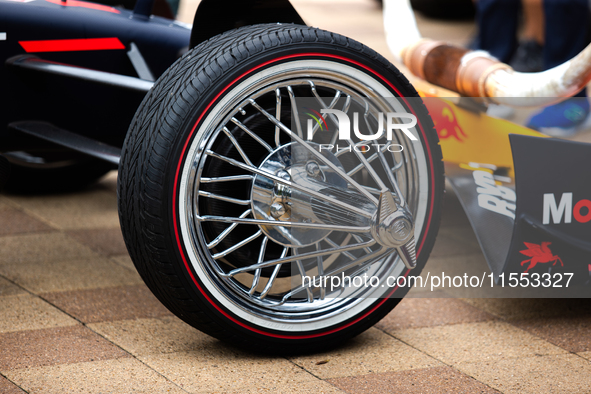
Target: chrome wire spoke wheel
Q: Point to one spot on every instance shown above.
(241, 201)
(258, 236)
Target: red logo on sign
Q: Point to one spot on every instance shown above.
(445, 121)
(539, 254)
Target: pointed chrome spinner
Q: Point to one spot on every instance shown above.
(393, 227)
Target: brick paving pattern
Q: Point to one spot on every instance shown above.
(75, 316)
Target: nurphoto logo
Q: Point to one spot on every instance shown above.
(393, 120)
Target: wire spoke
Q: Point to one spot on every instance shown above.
(373, 190)
(369, 168)
(320, 263)
(359, 239)
(224, 198)
(273, 276)
(295, 115)
(278, 116)
(257, 273)
(345, 242)
(372, 256)
(237, 146)
(359, 155)
(237, 246)
(278, 223)
(226, 178)
(293, 185)
(307, 255)
(397, 166)
(302, 272)
(363, 161)
(392, 180)
(331, 106)
(317, 154)
(361, 166)
(252, 134)
(345, 109)
(227, 231)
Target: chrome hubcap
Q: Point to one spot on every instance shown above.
(276, 201)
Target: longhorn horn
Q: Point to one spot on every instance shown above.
(477, 73)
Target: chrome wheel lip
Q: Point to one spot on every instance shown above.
(324, 311)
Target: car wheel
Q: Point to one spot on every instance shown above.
(225, 210)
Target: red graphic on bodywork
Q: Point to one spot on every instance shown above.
(445, 120)
(77, 44)
(84, 4)
(539, 254)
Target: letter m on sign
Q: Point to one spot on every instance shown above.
(564, 208)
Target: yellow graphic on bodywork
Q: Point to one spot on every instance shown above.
(466, 136)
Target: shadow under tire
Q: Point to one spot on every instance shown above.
(55, 177)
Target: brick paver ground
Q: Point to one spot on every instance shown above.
(76, 317)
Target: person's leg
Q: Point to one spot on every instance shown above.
(529, 55)
(533, 21)
(497, 27)
(567, 23)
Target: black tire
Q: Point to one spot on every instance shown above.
(68, 172)
(157, 160)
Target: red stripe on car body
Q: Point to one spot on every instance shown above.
(70, 45)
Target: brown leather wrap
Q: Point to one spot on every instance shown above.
(414, 56)
(472, 74)
(441, 65)
(451, 67)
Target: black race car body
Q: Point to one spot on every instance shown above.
(40, 34)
